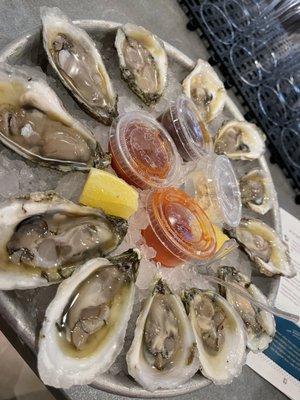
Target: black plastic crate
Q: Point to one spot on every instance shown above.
(275, 109)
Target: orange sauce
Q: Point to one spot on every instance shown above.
(179, 229)
(163, 255)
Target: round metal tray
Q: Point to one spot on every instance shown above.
(28, 50)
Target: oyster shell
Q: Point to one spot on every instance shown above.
(79, 65)
(240, 140)
(44, 237)
(219, 333)
(263, 246)
(206, 89)
(256, 191)
(143, 62)
(85, 324)
(259, 324)
(162, 354)
(34, 123)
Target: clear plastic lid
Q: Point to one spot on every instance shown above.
(216, 188)
(180, 224)
(227, 190)
(143, 152)
(190, 128)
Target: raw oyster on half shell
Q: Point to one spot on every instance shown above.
(143, 62)
(219, 333)
(259, 324)
(206, 90)
(240, 140)
(162, 354)
(256, 191)
(79, 65)
(44, 238)
(85, 324)
(34, 124)
(263, 246)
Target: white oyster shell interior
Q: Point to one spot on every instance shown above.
(60, 364)
(220, 337)
(143, 61)
(240, 140)
(78, 63)
(257, 191)
(206, 89)
(162, 328)
(264, 247)
(35, 124)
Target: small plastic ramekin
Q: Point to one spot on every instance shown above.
(143, 153)
(184, 123)
(179, 230)
(214, 185)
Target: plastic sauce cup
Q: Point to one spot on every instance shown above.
(215, 187)
(178, 229)
(143, 153)
(184, 123)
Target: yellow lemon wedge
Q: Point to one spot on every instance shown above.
(110, 193)
(220, 236)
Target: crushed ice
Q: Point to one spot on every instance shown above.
(19, 177)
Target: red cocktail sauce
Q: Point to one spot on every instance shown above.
(143, 154)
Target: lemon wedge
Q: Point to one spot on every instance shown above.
(105, 190)
(220, 236)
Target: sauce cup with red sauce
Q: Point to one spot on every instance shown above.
(143, 153)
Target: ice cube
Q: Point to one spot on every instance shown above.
(102, 135)
(70, 185)
(9, 183)
(126, 104)
(146, 274)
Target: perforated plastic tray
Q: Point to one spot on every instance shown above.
(275, 109)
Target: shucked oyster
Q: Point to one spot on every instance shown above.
(240, 140)
(259, 324)
(256, 191)
(44, 237)
(206, 89)
(263, 246)
(162, 354)
(219, 333)
(79, 65)
(34, 123)
(85, 324)
(143, 62)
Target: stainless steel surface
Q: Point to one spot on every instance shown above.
(167, 20)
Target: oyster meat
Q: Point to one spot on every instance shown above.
(263, 246)
(143, 62)
(206, 90)
(259, 324)
(256, 191)
(219, 333)
(85, 324)
(162, 354)
(34, 124)
(240, 140)
(44, 237)
(79, 65)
